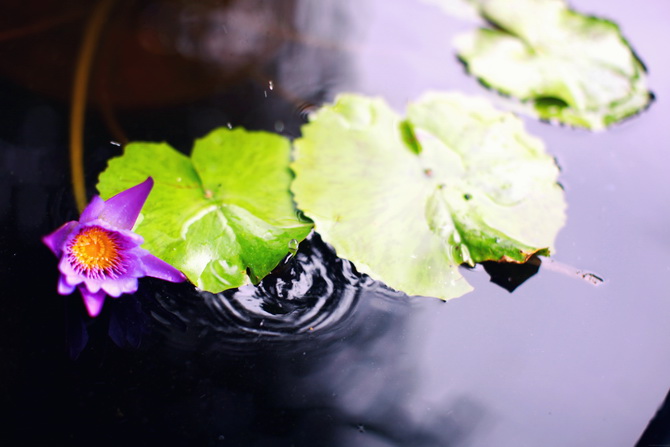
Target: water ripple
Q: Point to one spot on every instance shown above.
(311, 293)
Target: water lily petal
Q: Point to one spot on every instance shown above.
(93, 285)
(128, 285)
(160, 269)
(122, 209)
(115, 288)
(131, 239)
(92, 210)
(69, 274)
(56, 240)
(93, 301)
(64, 288)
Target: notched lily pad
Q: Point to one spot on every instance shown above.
(408, 200)
(223, 216)
(567, 67)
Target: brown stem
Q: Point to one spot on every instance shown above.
(90, 40)
(559, 267)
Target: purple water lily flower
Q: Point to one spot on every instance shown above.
(100, 255)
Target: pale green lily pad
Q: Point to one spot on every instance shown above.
(224, 216)
(407, 201)
(568, 67)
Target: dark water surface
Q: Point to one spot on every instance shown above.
(318, 355)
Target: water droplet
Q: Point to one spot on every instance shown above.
(229, 125)
(265, 93)
(293, 246)
(279, 126)
(467, 196)
(271, 85)
(115, 143)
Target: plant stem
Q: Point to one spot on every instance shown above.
(90, 39)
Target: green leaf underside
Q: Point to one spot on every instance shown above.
(470, 185)
(224, 216)
(565, 66)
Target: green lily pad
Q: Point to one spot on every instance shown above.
(408, 200)
(224, 216)
(568, 67)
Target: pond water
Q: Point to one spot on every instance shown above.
(319, 355)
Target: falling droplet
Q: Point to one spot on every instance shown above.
(271, 85)
(229, 125)
(293, 246)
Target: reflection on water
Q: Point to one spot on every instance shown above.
(316, 355)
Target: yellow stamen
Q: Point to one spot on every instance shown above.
(96, 251)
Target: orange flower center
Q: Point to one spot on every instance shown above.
(96, 251)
